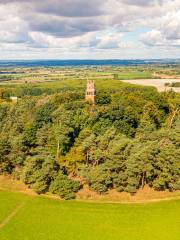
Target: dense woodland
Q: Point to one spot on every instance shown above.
(56, 142)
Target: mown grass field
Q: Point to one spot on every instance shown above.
(50, 219)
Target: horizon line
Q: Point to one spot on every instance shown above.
(94, 59)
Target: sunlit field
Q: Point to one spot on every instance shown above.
(28, 217)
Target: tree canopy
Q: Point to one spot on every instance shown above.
(129, 139)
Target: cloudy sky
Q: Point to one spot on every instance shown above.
(89, 29)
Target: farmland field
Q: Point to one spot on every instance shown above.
(160, 84)
(50, 219)
(45, 79)
(135, 75)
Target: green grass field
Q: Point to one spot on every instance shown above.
(49, 219)
(135, 75)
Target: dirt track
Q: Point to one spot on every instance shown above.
(11, 215)
(158, 83)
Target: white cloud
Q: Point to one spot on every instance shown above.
(167, 33)
(171, 26)
(94, 40)
(81, 27)
(153, 37)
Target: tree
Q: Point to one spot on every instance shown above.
(2, 92)
(140, 165)
(64, 187)
(167, 167)
(43, 115)
(97, 177)
(39, 171)
(6, 165)
(174, 111)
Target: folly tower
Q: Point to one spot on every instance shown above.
(91, 92)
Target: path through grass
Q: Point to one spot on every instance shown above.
(49, 219)
(11, 215)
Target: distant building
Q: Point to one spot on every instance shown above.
(91, 92)
(14, 99)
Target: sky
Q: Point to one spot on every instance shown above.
(89, 29)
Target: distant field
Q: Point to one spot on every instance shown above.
(44, 75)
(160, 84)
(135, 75)
(48, 219)
(45, 80)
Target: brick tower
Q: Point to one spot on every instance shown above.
(91, 92)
